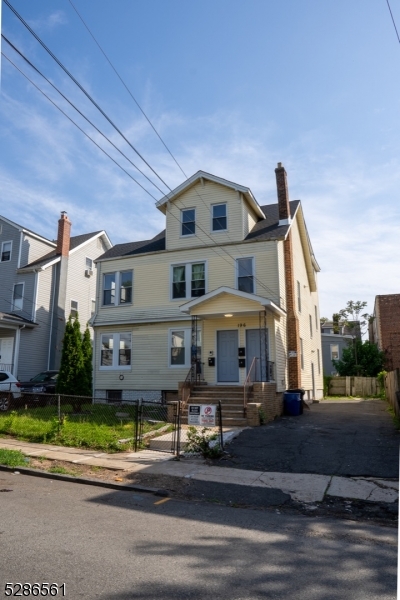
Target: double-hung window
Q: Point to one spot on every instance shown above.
(117, 288)
(5, 251)
(298, 296)
(188, 280)
(115, 351)
(179, 347)
(245, 275)
(188, 221)
(311, 328)
(74, 309)
(334, 351)
(18, 296)
(302, 353)
(219, 217)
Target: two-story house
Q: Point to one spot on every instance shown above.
(229, 284)
(41, 283)
(334, 339)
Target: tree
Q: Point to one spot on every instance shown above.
(353, 324)
(87, 362)
(72, 379)
(360, 358)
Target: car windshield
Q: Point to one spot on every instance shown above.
(44, 377)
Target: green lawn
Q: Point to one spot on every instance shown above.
(97, 427)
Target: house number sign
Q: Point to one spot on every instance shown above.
(241, 324)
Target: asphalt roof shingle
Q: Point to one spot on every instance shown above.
(75, 241)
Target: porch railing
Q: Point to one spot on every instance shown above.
(6, 367)
(195, 375)
(248, 382)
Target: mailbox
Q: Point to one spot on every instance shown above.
(242, 363)
(242, 352)
(211, 361)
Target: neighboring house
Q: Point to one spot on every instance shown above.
(41, 283)
(384, 330)
(227, 281)
(333, 345)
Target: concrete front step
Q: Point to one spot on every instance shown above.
(215, 400)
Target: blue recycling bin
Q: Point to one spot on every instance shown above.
(292, 404)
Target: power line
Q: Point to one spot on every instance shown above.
(126, 87)
(75, 107)
(394, 23)
(60, 64)
(76, 125)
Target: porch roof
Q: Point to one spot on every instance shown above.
(243, 302)
(15, 320)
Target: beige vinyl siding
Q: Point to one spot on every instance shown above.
(308, 302)
(226, 303)
(249, 218)
(152, 279)
(79, 287)
(202, 197)
(34, 344)
(32, 249)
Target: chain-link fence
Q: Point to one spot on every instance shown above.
(111, 426)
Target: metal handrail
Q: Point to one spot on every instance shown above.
(247, 383)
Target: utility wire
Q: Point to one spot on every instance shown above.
(86, 93)
(394, 23)
(77, 109)
(126, 87)
(76, 125)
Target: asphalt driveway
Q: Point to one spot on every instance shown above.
(353, 438)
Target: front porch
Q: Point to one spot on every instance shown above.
(10, 334)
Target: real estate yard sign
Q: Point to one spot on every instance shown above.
(202, 414)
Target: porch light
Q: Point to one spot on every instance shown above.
(228, 315)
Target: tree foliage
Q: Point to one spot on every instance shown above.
(360, 358)
(75, 376)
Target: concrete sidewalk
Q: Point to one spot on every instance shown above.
(303, 487)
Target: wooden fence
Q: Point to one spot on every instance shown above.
(354, 386)
(392, 390)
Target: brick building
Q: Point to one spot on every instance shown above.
(384, 331)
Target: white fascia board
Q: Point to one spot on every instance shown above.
(39, 237)
(33, 269)
(100, 234)
(203, 175)
(268, 304)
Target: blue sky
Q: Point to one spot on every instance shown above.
(233, 87)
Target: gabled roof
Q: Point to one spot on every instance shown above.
(161, 204)
(156, 244)
(28, 231)
(75, 242)
(268, 304)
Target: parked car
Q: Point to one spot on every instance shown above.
(9, 390)
(43, 383)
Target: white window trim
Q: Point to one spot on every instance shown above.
(316, 318)
(2, 246)
(117, 301)
(212, 218)
(14, 308)
(311, 326)
(187, 266)
(92, 312)
(298, 296)
(338, 351)
(91, 259)
(302, 362)
(188, 341)
(189, 235)
(319, 361)
(70, 306)
(253, 258)
(115, 366)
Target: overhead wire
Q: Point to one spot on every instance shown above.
(75, 107)
(60, 64)
(77, 126)
(394, 23)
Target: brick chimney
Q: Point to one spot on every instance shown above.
(283, 195)
(64, 234)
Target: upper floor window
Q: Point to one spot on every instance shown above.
(219, 217)
(18, 296)
(334, 351)
(6, 251)
(188, 280)
(89, 263)
(115, 350)
(245, 275)
(117, 288)
(298, 296)
(188, 221)
(316, 318)
(74, 308)
(311, 328)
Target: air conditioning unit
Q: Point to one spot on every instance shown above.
(88, 273)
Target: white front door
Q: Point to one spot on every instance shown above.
(6, 353)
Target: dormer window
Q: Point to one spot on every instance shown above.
(219, 218)
(188, 221)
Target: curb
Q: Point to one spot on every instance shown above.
(85, 481)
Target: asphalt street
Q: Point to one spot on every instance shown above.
(110, 545)
(334, 438)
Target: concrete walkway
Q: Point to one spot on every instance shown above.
(303, 487)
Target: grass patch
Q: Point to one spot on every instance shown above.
(12, 458)
(96, 427)
(61, 471)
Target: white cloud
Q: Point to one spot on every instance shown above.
(49, 22)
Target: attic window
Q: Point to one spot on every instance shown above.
(219, 220)
(188, 221)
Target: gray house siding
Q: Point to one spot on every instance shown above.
(329, 340)
(8, 268)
